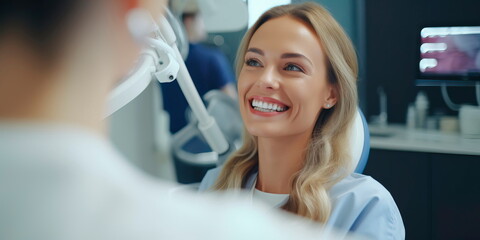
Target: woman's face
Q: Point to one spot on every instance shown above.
(283, 83)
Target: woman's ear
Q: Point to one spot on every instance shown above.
(331, 99)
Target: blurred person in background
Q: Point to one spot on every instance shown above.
(208, 67)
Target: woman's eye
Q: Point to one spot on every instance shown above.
(293, 67)
(253, 63)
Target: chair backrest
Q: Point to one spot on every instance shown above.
(360, 142)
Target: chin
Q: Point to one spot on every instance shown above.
(260, 130)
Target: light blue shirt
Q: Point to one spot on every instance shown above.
(360, 204)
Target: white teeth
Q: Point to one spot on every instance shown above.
(266, 107)
(263, 109)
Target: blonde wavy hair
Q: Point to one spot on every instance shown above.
(327, 158)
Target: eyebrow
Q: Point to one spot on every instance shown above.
(295, 55)
(256, 50)
(285, 55)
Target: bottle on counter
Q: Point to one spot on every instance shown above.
(421, 109)
(411, 118)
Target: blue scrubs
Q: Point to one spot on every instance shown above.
(360, 204)
(209, 70)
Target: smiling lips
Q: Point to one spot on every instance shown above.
(266, 106)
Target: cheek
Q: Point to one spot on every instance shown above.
(130, 53)
(309, 99)
(115, 48)
(244, 84)
(310, 110)
(124, 49)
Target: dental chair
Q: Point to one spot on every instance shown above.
(193, 157)
(191, 154)
(360, 140)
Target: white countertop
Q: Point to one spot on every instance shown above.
(398, 137)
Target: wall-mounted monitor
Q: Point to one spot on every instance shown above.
(449, 54)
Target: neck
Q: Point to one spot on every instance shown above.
(279, 160)
(34, 92)
(61, 104)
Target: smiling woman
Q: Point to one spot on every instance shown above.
(297, 73)
(290, 71)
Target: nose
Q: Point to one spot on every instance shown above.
(269, 79)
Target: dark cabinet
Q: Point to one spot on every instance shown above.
(455, 196)
(438, 194)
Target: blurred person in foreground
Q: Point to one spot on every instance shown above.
(60, 178)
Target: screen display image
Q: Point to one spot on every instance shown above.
(452, 51)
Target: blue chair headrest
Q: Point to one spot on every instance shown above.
(359, 142)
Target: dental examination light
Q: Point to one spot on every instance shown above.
(206, 124)
(162, 61)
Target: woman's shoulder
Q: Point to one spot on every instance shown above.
(363, 205)
(358, 184)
